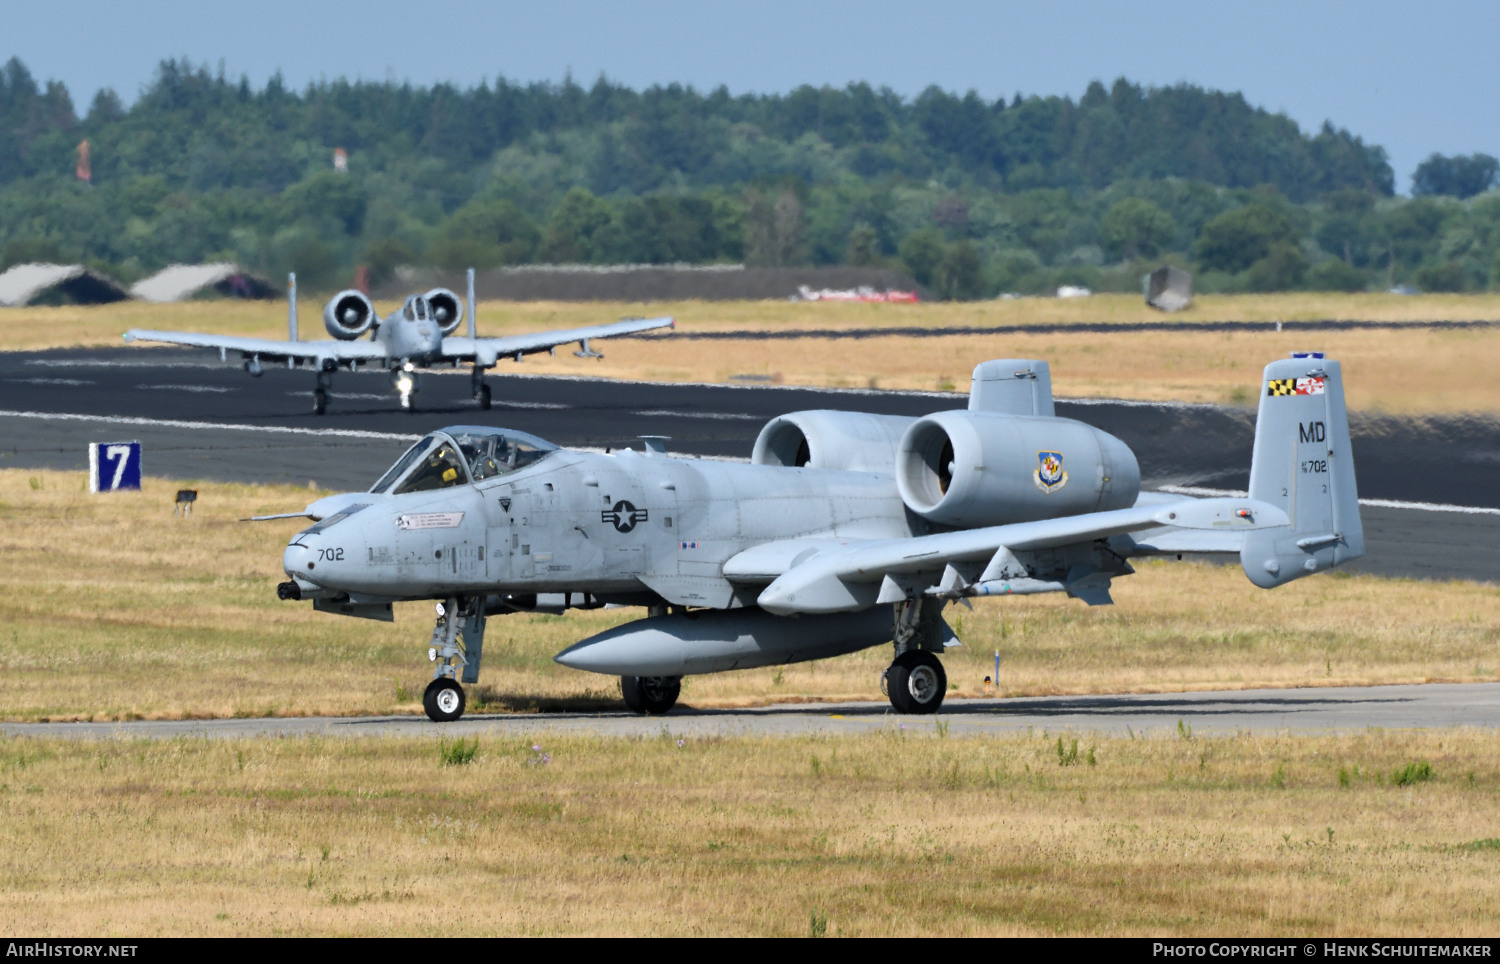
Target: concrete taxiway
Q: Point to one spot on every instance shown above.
(1314, 710)
(1432, 509)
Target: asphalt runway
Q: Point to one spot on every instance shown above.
(199, 419)
(1318, 710)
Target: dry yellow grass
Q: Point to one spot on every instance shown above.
(114, 609)
(887, 834)
(1407, 372)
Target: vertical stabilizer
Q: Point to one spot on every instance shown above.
(1012, 386)
(469, 293)
(291, 306)
(1303, 464)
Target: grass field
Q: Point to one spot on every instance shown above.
(887, 834)
(1408, 372)
(117, 610)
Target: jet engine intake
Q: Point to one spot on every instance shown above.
(963, 468)
(348, 315)
(446, 309)
(850, 441)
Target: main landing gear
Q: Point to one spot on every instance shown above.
(651, 694)
(456, 648)
(320, 394)
(479, 389)
(915, 681)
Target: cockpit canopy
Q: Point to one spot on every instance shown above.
(459, 455)
(415, 308)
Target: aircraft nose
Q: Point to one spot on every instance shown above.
(299, 560)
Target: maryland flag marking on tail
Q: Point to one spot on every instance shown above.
(1295, 386)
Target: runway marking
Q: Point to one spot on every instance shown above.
(184, 388)
(949, 396)
(723, 416)
(214, 426)
(112, 363)
(1373, 503)
(285, 430)
(391, 396)
(52, 381)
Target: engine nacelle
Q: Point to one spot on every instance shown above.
(444, 307)
(978, 469)
(851, 441)
(348, 315)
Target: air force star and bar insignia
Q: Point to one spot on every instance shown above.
(623, 516)
(1311, 385)
(1049, 475)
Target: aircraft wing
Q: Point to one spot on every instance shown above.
(486, 351)
(266, 349)
(820, 576)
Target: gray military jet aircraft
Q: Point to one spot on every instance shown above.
(847, 530)
(419, 334)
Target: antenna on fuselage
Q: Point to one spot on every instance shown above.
(291, 306)
(470, 293)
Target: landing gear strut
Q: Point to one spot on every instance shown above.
(457, 644)
(320, 394)
(916, 682)
(480, 390)
(651, 694)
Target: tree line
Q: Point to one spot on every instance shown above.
(972, 197)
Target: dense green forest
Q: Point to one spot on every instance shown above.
(972, 197)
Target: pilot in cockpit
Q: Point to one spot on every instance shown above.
(441, 469)
(485, 455)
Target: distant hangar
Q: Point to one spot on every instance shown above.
(25, 283)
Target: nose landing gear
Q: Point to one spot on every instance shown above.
(457, 644)
(404, 380)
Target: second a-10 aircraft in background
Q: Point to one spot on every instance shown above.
(847, 530)
(419, 334)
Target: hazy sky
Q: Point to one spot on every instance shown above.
(1412, 78)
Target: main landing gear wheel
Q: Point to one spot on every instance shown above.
(651, 694)
(320, 401)
(484, 397)
(916, 682)
(443, 701)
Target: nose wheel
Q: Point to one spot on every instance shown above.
(444, 701)
(404, 381)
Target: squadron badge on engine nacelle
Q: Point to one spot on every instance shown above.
(1049, 475)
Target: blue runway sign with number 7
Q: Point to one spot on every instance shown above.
(114, 466)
